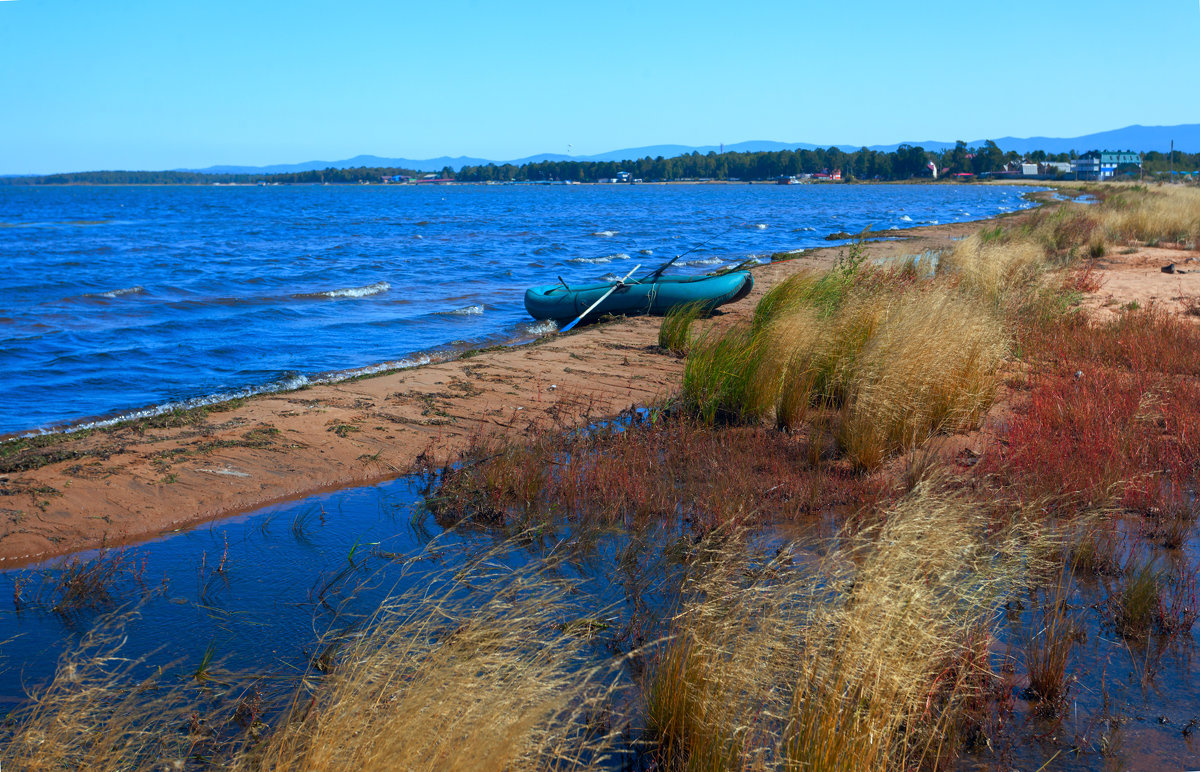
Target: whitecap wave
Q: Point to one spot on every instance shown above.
(606, 234)
(905, 218)
(705, 261)
(591, 260)
(475, 310)
(762, 226)
(802, 230)
(351, 292)
(137, 290)
(544, 327)
(645, 251)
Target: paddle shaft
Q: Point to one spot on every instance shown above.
(669, 263)
(601, 300)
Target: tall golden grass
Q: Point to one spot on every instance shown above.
(931, 365)
(995, 268)
(897, 364)
(488, 678)
(96, 714)
(476, 669)
(1161, 213)
(861, 659)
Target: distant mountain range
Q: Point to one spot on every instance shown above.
(1135, 138)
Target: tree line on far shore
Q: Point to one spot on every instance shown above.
(906, 162)
(315, 177)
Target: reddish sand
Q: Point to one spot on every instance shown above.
(1135, 275)
(120, 485)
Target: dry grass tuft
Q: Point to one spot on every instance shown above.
(862, 659)
(481, 673)
(96, 714)
(930, 366)
(479, 668)
(1153, 215)
(898, 366)
(994, 267)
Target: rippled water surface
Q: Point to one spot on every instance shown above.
(123, 298)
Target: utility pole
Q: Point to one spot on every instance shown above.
(1172, 161)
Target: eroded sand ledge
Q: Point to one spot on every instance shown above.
(121, 485)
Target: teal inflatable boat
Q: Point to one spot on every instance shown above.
(654, 294)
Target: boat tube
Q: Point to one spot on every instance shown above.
(654, 295)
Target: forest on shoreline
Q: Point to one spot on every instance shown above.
(905, 163)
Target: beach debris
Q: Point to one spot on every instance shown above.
(552, 387)
(1168, 268)
(227, 471)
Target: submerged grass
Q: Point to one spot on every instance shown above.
(864, 658)
(484, 678)
(476, 668)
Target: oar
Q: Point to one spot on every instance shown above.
(658, 272)
(611, 290)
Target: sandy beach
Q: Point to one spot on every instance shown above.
(124, 484)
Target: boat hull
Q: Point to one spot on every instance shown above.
(554, 301)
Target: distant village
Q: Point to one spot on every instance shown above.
(1093, 165)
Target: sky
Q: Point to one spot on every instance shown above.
(162, 84)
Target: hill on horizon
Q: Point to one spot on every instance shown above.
(1134, 138)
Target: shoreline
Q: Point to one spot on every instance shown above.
(138, 480)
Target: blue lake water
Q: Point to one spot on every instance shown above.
(119, 299)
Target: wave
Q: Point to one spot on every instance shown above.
(762, 226)
(905, 218)
(802, 230)
(606, 234)
(136, 290)
(599, 260)
(704, 261)
(544, 327)
(475, 310)
(645, 251)
(290, 382)
(349, 292)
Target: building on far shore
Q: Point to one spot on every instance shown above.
(1092, 165)
(1054, 168)
(1105, 164)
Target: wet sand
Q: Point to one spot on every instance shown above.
(124, 484)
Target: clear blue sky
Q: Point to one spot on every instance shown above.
(152, 84)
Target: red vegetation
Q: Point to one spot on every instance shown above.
(664, 469)
(1112, 416)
